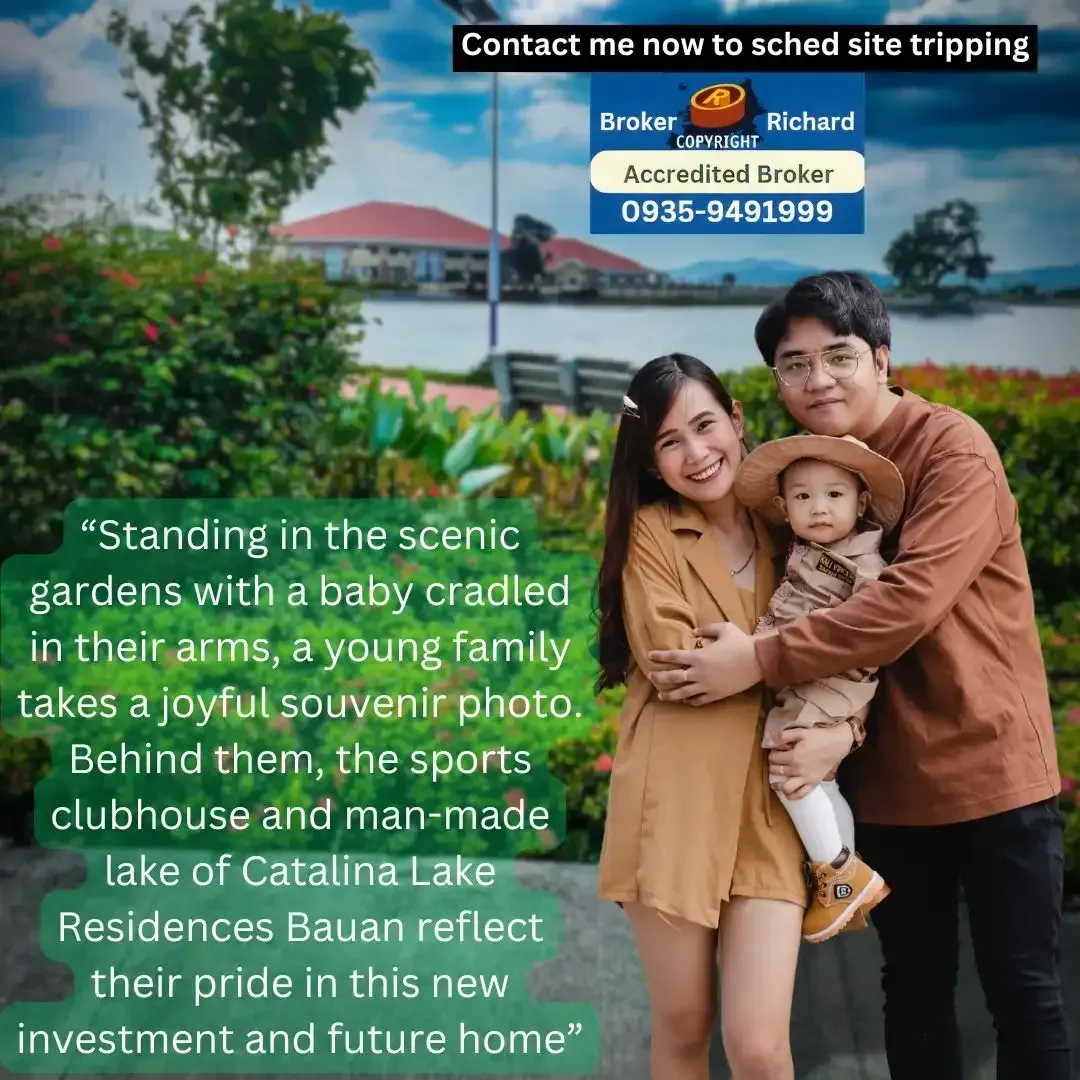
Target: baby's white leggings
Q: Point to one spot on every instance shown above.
(823, 821)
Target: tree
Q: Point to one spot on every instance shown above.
(943, 241)
(526, 254)
(240, 128)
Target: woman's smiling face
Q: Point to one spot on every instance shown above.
(697, 448)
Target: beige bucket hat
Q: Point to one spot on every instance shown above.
(757, 482)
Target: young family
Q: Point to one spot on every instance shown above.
(853, 596)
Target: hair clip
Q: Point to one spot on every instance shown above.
(629, 408)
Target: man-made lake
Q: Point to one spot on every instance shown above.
(452, 335)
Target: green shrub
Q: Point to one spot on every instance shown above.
(583, 763)
(136, 364)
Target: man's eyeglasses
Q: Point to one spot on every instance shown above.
(839, 363)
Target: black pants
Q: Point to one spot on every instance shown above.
(1010, 868)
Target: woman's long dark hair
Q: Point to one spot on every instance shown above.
(632, 485)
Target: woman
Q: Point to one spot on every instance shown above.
(697, 849)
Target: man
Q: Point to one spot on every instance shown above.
(956, 786)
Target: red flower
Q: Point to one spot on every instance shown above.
(62, 339)
(232, 230)
(128, 280)
(52, 243)
(151, 331)
(1068, 784)
(12, 277)
(203, 278)
(1073, 715)
(603, 763)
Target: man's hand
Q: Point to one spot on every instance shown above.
(807, 757)
(726, 666)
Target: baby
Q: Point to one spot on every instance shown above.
(823, 487)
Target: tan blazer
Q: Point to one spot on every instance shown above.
(691, 819)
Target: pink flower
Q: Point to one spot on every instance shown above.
(603, 763)
(151, 331)
(1068, 784)
(52, 243)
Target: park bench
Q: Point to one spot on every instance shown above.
(582, 385)
(527, 381)
(595, 384)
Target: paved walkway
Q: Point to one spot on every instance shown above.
(458, 395)
(836, 1027)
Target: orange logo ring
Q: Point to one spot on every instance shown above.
(721, 105)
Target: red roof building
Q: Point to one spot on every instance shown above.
(394, 223)
(399, 243)
(566, 249)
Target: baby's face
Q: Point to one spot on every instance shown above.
(821, 501)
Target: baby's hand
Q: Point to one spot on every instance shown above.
(791, 787)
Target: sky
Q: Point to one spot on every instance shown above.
(1008, 142)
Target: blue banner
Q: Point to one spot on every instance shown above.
(725, 153)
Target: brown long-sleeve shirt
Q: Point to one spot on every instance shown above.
(961, 725)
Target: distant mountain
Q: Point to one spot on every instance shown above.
(746, 271)
(769, 273)
(1044, 278)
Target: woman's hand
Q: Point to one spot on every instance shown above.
(727, 665)
(807, 756)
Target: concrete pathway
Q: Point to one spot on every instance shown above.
(836, 1028)
(457, 395)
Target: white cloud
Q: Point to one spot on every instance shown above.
(72, 79)
(112, 158)
(556, 11)
(731, 7)
(60, 58)
(1047, 13)
(551, 115)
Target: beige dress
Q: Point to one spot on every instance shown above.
(691, 818)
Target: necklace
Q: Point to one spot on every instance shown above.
(735, 573)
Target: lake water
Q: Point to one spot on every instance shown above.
(452, 335)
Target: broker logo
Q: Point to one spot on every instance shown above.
(719, 106)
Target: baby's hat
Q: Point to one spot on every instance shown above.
(757, 482)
